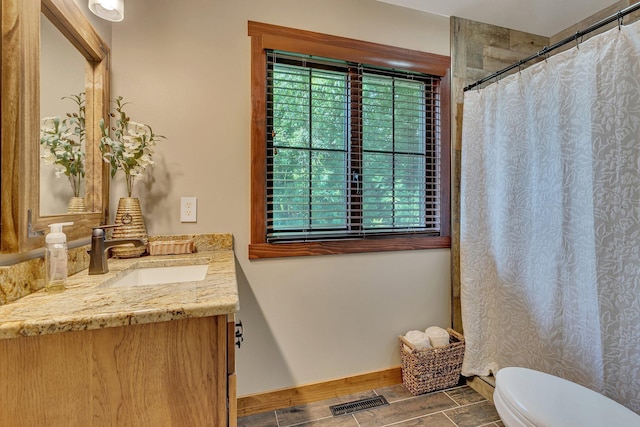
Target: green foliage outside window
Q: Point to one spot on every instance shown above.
(326, 179)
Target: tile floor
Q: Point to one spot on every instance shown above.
(454, 407)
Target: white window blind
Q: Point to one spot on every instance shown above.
(352, 150)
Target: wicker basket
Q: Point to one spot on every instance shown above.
(430, 369)
(171, 247)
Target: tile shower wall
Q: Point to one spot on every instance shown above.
(604, 13)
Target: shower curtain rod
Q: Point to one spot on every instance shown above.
(545, 50)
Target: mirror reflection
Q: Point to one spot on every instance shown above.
(62, 142)
(23, 222)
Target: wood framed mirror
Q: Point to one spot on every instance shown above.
(22, 225)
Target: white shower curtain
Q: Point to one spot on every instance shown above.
(550, 218)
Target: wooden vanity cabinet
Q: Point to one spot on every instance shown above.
(173, 373)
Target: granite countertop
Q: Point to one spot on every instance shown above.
(89, 302)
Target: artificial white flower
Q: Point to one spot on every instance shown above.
(127, 146)
(62, 142)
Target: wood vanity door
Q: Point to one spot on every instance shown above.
(42, 377)
(160, 374)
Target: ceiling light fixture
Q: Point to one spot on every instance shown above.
(111, 10)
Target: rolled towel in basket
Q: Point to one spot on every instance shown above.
(437, 336)
(418, 338)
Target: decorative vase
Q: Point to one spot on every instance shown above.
(76, 205)
(130, 226)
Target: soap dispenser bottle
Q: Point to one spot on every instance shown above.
(55, 258)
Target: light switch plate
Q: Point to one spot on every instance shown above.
(188, 209)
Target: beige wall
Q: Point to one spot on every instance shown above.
(185, 68)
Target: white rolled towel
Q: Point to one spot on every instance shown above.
(437, 336)
(418, 338)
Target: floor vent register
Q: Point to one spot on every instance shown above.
(358, 406)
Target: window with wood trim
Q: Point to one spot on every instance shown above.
(350, 152)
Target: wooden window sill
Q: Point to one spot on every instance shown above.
(335, 247)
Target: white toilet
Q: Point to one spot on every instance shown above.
(528, 398)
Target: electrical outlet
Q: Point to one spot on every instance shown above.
(188, 209)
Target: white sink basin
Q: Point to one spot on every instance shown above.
(147, 276)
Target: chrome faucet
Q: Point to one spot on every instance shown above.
(99, 246)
